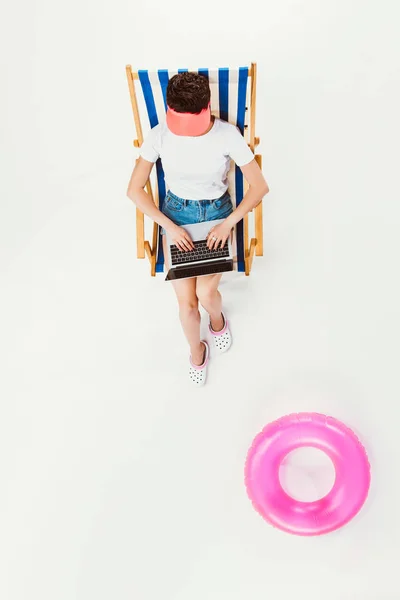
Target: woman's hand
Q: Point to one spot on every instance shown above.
(180, 237)
(218, 235)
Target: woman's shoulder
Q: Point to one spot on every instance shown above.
(158, 130)
(224, 127)
(155, 137)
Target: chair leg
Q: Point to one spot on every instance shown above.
(258, 218)
(151, 255)
(250, 255)
(153, 265)
(246, 244)
(259, 229)
(253, 246)
(148, 250)
(140, 234)
(154, 252)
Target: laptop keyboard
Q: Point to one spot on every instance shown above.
(200, 253)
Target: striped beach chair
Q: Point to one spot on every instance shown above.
(233, 99)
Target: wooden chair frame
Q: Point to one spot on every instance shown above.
(253, 246)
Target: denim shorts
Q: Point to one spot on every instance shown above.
(188, 212)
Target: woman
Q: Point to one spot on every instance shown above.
(196, 150)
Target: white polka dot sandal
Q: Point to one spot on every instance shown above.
(198, 373)
(223, 338)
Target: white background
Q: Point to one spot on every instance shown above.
(117, 480)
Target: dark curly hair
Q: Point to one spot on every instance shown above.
(188, 92)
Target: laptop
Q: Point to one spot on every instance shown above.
(200, 261)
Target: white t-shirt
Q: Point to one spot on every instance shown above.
(196, 168)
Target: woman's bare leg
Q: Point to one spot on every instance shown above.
(185, 290)
(210, 298)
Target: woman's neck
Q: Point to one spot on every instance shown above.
(209, 127)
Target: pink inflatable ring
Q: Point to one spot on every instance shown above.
(349, 458)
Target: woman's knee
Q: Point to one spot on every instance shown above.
(188, 307)
(206, 295)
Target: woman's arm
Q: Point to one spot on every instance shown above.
(258, 188)
(144, 202)
(141, 198)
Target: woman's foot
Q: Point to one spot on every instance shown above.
(198, 372)
(222, 337)
(198, 355)
(217, 324)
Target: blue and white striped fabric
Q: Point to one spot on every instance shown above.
(229, 95)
